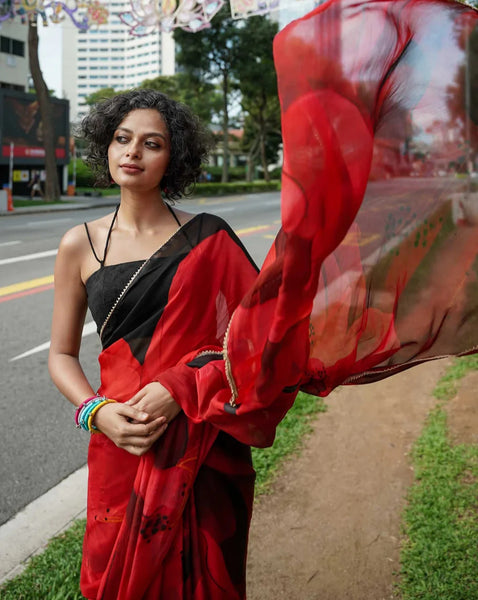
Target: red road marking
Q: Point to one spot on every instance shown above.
(41, 288)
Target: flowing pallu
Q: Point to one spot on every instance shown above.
(376, 267)
(374, 270)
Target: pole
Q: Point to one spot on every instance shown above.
(74, 166)
(10, 180)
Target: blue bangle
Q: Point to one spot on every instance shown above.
(86, 411)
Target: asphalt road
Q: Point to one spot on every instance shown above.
(39, 444)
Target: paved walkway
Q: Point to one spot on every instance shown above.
(68, 203)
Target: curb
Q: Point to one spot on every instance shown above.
(30, 530)
(82, 204)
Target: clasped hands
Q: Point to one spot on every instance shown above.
(137, 424)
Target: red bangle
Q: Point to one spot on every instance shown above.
(84, 403)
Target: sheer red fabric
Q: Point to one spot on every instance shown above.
(376, 267)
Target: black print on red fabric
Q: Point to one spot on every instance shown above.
(153, 525)
(173, 443)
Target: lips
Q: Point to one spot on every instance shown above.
(131, 168)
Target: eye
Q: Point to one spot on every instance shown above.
(121, 139)
(153, 145)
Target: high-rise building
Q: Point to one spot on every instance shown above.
(14, 70)
(108, 56)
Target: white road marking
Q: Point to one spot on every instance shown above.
(88, 329)
(223, 209)
(14, 259)
(14, 243)
(48, 222)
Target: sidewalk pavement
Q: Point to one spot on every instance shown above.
(68, 203)
(30, 530)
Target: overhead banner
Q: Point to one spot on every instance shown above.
(241, 9)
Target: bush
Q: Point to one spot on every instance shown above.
(84, 176)
(235, 173)
(225, 189)
(276, 173)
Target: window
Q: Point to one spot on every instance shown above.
(11, 46)
(11, 86)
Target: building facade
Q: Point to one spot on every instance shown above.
(109, 57)
(22, 155)
(14, 70)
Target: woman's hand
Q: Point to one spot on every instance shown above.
(129, 428)
(155, 400)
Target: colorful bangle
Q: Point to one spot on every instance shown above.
(86, 411)
(93, 412)
(82, 405)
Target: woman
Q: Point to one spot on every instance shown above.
(355, 288)
(169, 495)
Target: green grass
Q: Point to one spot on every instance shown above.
(439, 558)
(289, 439)
(54, 574)
(96, 192)
(20, 202)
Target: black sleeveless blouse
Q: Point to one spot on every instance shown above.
(104, 286)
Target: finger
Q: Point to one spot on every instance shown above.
(161, 431)
(136, 430)
(136, 398)
(132, 413)
(141, 444)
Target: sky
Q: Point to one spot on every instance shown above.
(50, 51)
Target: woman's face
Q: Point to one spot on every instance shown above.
(139, 152)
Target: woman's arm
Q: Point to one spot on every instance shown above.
(69, 311)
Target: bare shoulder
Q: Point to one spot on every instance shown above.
(73, 241)
(77, 243)
(183, 215)
(76, 240)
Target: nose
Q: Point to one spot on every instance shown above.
(133, 149)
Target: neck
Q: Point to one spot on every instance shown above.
(142, 211)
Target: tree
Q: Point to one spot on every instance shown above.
(211, 56)
(462, 99)
(258, 86)
(200, 96)
(52, 186)
(100, 95)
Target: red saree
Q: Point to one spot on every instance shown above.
(173, 524)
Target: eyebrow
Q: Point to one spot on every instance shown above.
(150, 134)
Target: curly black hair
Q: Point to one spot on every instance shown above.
(190, 142)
